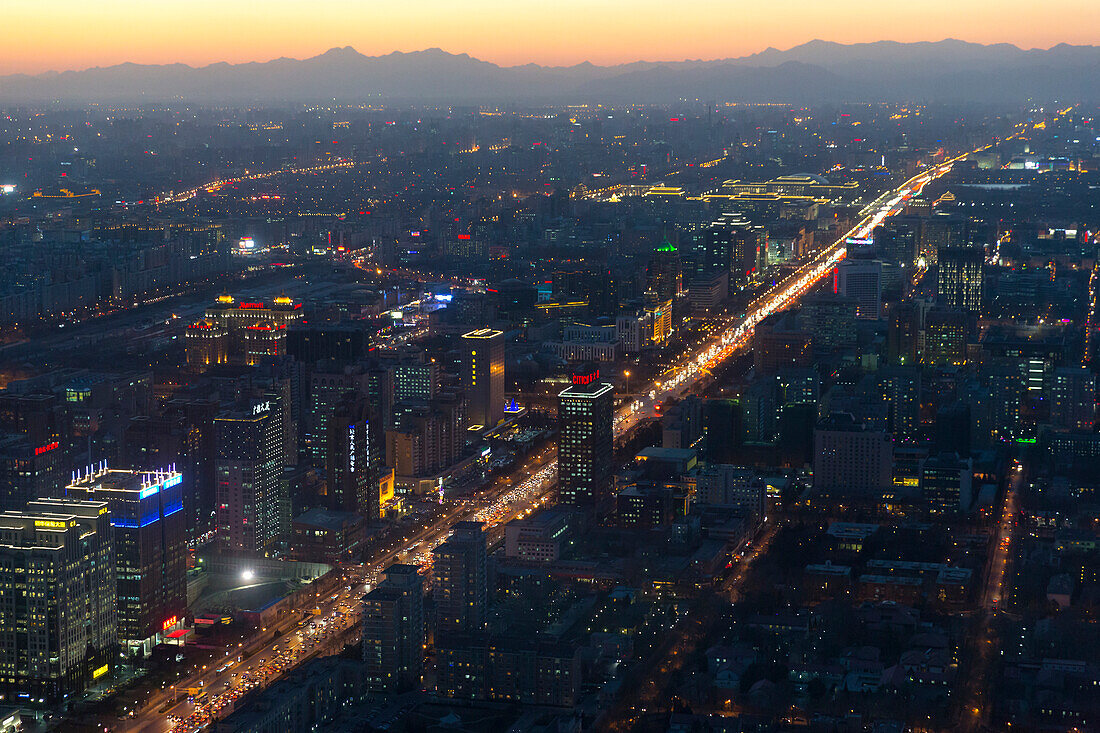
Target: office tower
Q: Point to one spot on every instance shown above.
(207, 344)
(58, 629)
(721, 430)
(850, 459)
(760, 405)
(664, 273)
(900, 388)
(898, 241)
(393, 630)
(352, 462)
(861, 280)
(831, 319)
(780, 343)
(416, 379)
(1073, 398)
(959, 280)
(37, 465)
(945, 484)
(183, 436)
(945, 337)
(26, 471)
(586, 441)
(1006, 402)
(904, 337)
(940, 231)
(150, 544)
(329, 383)
(264, 342)
(459, 584)
(251, 505)
(483, 376)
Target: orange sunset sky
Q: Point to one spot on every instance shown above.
(40, 35)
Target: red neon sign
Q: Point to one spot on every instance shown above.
(44, 448)
(463, 236)
(586, 378)
(169, 623)
(252, 305)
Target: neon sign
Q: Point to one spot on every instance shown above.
(45, 448)
(586, 378)
(169, 623)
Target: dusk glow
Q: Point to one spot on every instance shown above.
(75, 34)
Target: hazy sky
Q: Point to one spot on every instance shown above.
(38, 35)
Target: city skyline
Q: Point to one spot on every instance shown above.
(77, 36)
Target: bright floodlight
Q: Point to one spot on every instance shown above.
(247, 575)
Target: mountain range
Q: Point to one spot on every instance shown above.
(943, 71)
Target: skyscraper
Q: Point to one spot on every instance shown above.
(150, 542)
(959, 282)
(483, 376)
(861, 280)
(251, 505)
(58, 630)
(460, 580)
(586, 441)
(393, 630)
(352, 459)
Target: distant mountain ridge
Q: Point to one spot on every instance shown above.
(941, 71)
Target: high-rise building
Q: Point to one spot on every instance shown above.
(586, 441)
(898, 241)
(779, 342)
(861, 280)
(37, 465)
(831, 319)
(722, 429)
(483, 376)
(459, 585)
(352, 459)
(251, 503)
(850, 459)
(960, 277)
(207, 345)
(58, 630)
(945, 484)
(393, 630)
(150, 543)
(945, 337)
(900, 388)
(664, 274)
(1073, 398)
(904, 337)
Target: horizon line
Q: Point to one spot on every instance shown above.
(398, 52)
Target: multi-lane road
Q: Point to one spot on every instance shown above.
(538, 476)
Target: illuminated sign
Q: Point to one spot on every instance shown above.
(246, 244)
(169, 483)
(586, 378)
(51, 523)
(463, 236)
(169, 623)
(261, 407)
(7, 188)
(351, 448)
(44, 448)
(252, 306)
(149, 491)
(99, 672)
